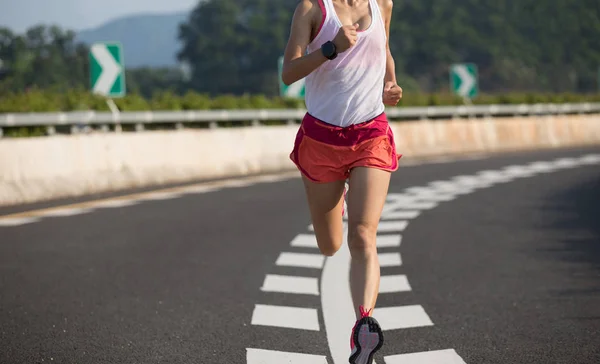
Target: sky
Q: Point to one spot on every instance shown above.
(18, 15)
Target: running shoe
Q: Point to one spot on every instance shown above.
(366, 339)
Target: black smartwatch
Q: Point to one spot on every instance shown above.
(328, 50)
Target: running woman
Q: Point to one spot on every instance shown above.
(341, 48)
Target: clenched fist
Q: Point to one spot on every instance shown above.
(392, 93)
(345, 38)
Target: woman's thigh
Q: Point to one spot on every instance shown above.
(325, 202)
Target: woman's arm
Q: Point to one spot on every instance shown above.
(392, 93)
(297, 65)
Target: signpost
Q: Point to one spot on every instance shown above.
(464, 80)
(107, 75)
(295, 90)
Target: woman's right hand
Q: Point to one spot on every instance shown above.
(346, 37)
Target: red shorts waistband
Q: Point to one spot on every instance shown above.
(344, 136)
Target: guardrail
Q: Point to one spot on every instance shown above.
(77, 119)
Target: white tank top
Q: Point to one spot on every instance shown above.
(348, 90)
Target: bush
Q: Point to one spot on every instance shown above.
(48, 101)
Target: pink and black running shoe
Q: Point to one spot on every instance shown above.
(366, 339)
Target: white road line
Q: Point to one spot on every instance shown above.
(285, 316)
(391, 226)
(400, 215)
(260, 356)
(301, 260)
(566, 162)
(290, 284)
(472, 181)
(406, 202)
(495, 176)
(304, 241)
(402, 317)
(430, 193)
(434, 196)
(395, 283)
(66, 212)
(542, 167)
(590, 159)
(389, 241)
(238, 183)
(389, 259)
(199, 189)
(449, 187)
(18, 221)
(518, 171)
(114, 203)
(310, 241)
(448, 356)
(159, 196)
(336, 302)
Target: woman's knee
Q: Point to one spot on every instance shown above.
(328, 246)
(362, 239)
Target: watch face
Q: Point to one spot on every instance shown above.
(329, 49)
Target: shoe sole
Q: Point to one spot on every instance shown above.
(368, 339)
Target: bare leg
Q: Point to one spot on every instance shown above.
(368, 191)
(325, 201)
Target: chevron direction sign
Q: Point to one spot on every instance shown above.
(107, 75)
(295, 90)
(463, 80)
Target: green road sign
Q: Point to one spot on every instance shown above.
(295, 90)
(463, 80)
(107, 76)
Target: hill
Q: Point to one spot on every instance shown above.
(149, 40)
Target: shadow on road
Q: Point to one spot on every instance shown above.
(574, 215)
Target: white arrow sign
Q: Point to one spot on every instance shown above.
(468, 80)
(110, 69)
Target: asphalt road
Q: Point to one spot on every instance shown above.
(509, 273)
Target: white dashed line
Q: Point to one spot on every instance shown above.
(285, 316)
(542, 167)
(391, 226)
(389, 241)
(472, 181)
(260, 356)
(494, 177)
(389, 259)
(305, 241)
(518, 171)
(400, 215)
(448, 356)
(450, 188)
(291, 284)
(394, 283)
(402, 317)
(566, 163)
(590, 159)
(301, 260)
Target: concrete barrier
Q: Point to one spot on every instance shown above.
(36, 169)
